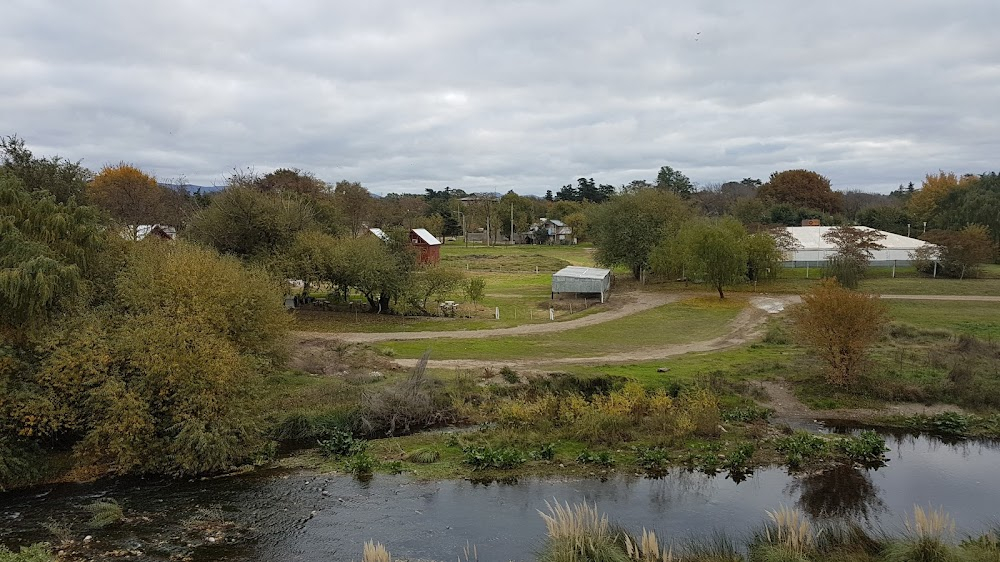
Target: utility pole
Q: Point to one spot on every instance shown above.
(512, 223)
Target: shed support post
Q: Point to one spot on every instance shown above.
(893, 269)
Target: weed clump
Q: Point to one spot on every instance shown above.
(501, 458)
(416, 402)
(104, 513)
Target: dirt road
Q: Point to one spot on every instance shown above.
(744, 328)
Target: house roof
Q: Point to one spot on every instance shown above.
(380, 233)
(557, 222)
(811, 238)
(426, 236)
(577, 272)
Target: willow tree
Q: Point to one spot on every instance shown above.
(46, 249)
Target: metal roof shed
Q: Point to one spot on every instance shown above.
(575, 279)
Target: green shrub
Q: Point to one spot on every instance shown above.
(800, 446)
(652, 459)
(738, 460)
(312, 426)
(509, 375)
(950, 423)
(867, 448)
(502, 458)
(747, 414)
(342, 443)
(361, 465)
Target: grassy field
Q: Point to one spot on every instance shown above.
(518, 257)
(879, 280)
(690, 320)
(523, 298)
(980, 319)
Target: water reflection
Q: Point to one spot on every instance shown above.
(842, 492)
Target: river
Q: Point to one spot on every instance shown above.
(304, 516)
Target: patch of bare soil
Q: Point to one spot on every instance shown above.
(790, 410)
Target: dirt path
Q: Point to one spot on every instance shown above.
(636, 302)
(790, 410)
(742, 329)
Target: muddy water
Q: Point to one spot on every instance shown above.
(302, 516)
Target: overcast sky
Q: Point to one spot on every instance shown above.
(490, 94)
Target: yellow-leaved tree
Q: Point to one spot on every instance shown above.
(132, 197)
(935, 188)
(841, 326)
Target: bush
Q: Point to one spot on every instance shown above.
(361, 465)
(652, 459)
(799, 447)
(416, 402)
(866, 448)
(342, 443)
(509, 375)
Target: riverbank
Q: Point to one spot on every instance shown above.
(301, 514)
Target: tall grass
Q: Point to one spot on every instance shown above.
(579, 533)
(375, 552)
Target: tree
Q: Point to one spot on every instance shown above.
(924, 203)
(840, 325)
(475, 289)
(957, 253)
(855, 248)
(129, 195)
(888, 218)
(802, 188)
(434, 281)
(46, 251)
(636, 186)
(627, 228)
(355, 205)
(65, 180)
(672, 180)
(765, 255)
(249, 223)
(568, 193)
(163, 378)
(713, 250)
(977, 203)
(292, 181)
(549, 196)
(379, 269)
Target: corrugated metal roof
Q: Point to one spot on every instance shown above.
(811, 238)
(426, 236)
(577, 272)
(557, 222)
(380, 233)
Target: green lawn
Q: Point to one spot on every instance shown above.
(686, 321)
(980, 319)
(879, 280)
(522, 298)
(518, 257)
(756, 361)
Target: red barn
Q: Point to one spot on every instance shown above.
(429, 247)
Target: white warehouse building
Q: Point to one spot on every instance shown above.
(811, 249)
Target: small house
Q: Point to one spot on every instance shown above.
(550, 231)
(582, 280)
(428, 247)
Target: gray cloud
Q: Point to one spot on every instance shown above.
(523, 95)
